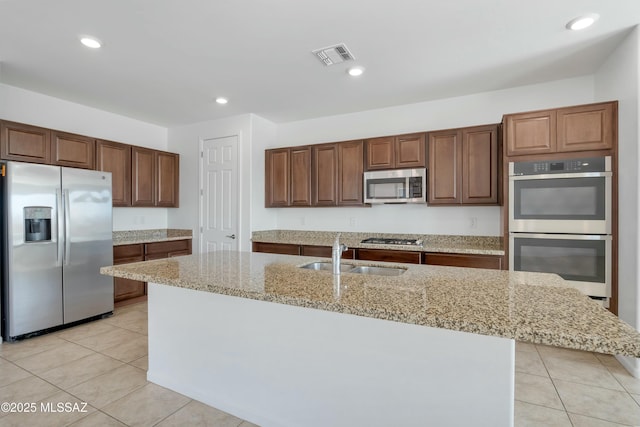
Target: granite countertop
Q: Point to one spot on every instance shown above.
(149, 236)
(479, 245)
(531, 307)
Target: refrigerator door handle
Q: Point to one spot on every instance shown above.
(67, 238)
(59, 227)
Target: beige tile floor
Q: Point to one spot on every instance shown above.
(104, 364)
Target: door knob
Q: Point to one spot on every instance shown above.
(233, 236)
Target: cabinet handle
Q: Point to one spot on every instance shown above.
(233, 236)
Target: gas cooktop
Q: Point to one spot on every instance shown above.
(392, 241)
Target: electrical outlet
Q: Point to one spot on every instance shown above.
(352, 221)
(473, 223)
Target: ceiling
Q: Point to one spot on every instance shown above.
(165, 62)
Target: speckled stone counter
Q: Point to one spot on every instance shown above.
(479, 245)
(533, 307)
(149, 236)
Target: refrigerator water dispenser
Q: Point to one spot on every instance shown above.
(37, 224)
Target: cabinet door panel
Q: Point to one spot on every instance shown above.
(72, 150)
(300, 177)
(531, 133)
(480, 165)
(410, 151)
(444, 171)
(124, 289)
(380, 153)
(389, 255)
(463, 260)
(350, 170)
(25, 143)
(167, 179)
(325, 175)
(116, 158)
(277, 177)
(143, 177)
(323, 251)
(276, 248)
(589, 127)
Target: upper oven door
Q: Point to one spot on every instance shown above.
(561, 203)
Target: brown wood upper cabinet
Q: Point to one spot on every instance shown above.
(395, 152)
(315, 175)
(167, 179)
(277, 177)
(463, 166)
(115, 157)
(74, 151)
(143, 172)
(300, 176)
(579, 128)
(154, 178)
(325, 175)
(350, 169)
(25, 143)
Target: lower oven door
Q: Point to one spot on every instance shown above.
(584, 261)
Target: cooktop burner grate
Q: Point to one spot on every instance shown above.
(392, 241)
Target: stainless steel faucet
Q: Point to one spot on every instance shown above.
(336, 254)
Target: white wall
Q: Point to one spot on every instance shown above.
(185, 140)
(618, 78)
(461, 111)
(24, 106)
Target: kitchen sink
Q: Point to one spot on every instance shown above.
(327, 266)
(350, 268)
(379, 271)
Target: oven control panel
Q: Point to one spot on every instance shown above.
(543, 167)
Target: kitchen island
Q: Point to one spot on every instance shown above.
(259, 337)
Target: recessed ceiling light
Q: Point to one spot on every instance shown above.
(355, 71)
(91, 42)
(582, 22)
(221, 100)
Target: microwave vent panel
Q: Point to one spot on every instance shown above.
(334, 54)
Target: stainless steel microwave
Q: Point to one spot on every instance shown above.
(396, 186)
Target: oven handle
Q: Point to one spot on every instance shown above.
(561, 176)
(560, 236)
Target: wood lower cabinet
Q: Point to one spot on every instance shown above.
(571, 129)
(391, 152)
(323, 251)
(463, 166)
(276, 248)
(168, 249)
(25, 143)
(127, 291)
(463, 260)
(74, 151)
(115, 157)
(385, 255)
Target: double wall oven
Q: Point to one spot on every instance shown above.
(560, 221)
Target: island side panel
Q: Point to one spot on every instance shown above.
(281, 365)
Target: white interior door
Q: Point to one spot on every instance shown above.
(219, 194)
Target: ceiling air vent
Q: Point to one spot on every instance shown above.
(334, 54)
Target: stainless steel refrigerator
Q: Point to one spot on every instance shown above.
(57, 233)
